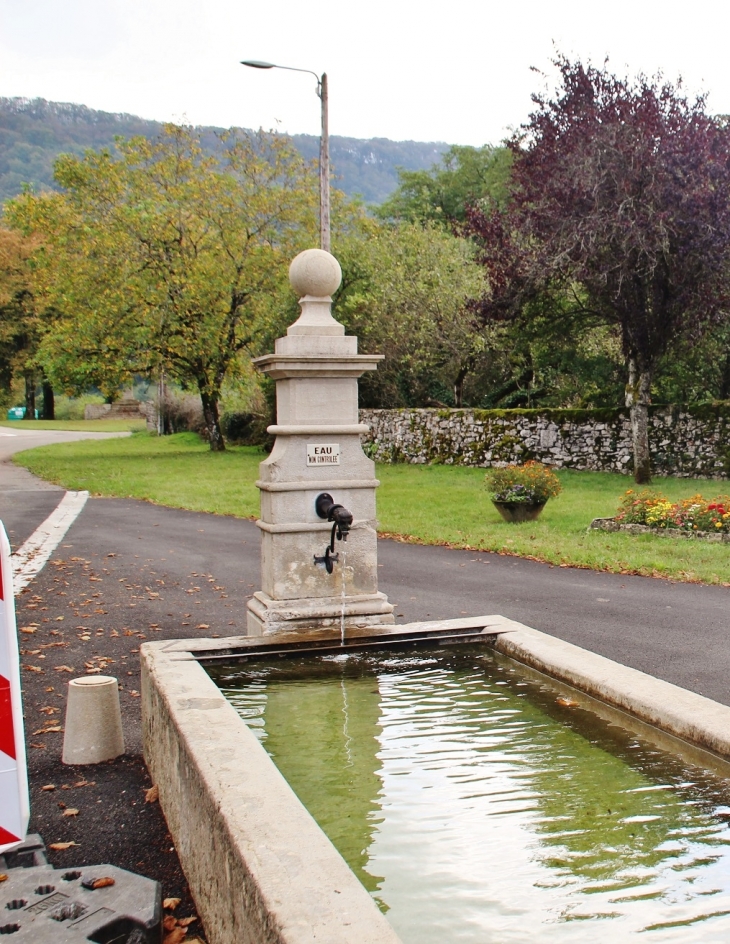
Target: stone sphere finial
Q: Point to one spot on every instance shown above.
(315, 272)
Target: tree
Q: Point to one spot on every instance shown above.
(164, 258)
(21, 324)
(619, 210)
(465, 176)
(405, 292)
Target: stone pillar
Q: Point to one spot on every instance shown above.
(317, 449)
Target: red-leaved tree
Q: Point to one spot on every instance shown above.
(620, 212)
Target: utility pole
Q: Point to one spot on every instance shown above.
(324, 168)
(324, 146)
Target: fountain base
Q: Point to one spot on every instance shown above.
(267, 616)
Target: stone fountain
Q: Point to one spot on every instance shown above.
(315, 573)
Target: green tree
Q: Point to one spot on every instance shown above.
(405, 293)
(465, 176)
(165, 257)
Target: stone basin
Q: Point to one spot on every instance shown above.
(259, 867)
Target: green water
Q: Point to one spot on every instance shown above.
(476, 808)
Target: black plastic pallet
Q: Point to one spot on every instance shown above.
(44, 905)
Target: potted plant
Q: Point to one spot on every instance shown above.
(519, 492)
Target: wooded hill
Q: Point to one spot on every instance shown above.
(34, 132)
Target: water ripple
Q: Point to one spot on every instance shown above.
(477, 810)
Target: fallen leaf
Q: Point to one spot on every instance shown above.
(71, 811)
(114, 633)
(33, 668)
(61, 846)
(169, 923)
(152, 795)
(27, 629)
(3, 878)
(54, 730)
(40, 747)
(93, 883)
(567, 702)
(203, 626)
(60, 619)
(85, 783)
(65, 668)
(49, 786)
(134, 693)
(175, 937)
(186, 922)
(170, 904)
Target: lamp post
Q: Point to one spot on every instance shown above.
(324, 147)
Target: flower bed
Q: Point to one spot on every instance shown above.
(648, 511)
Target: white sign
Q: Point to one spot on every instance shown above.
(14, 808)
(323, 453)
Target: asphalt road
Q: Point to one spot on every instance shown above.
(129, 571)
(201, 569)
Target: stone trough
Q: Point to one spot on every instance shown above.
(259, 867)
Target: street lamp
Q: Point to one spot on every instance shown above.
(324, 147)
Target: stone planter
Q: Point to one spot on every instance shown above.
(517, 512)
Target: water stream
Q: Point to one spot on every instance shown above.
(343, 552)
(477, 807)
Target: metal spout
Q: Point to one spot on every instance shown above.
(327, 508)
(341, 519)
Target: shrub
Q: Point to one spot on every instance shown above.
(72, 408)
(248, 429)
(531, 483)
(182, 413)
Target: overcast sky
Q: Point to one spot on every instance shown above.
(456, 71)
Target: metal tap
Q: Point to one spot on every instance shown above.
(341, 519)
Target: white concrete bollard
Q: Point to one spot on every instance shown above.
(93, 729)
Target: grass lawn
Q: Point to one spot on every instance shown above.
(426, 504)
(97, 426)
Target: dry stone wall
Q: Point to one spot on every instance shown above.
(124, 409)
(687, 441)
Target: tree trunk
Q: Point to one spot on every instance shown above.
(49, 406)
(724, 393)
(164, 424)
(637, 400)
(30, 396)
(212, 422)
(459, 386)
